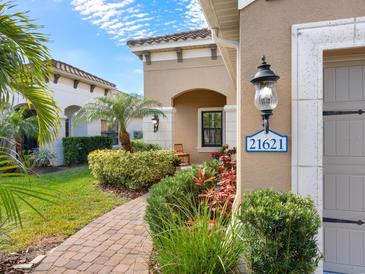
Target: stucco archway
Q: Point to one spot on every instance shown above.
(188, 122)
(70, 128)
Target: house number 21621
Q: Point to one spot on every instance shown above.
(270, 142)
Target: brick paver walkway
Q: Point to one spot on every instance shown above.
(116, 242)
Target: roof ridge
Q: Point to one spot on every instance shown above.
(80, 72)
(192, 34)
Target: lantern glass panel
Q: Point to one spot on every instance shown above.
(266, 97)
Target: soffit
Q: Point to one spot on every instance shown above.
(224, 16)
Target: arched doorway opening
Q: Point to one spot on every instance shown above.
(28, 143)
(199, 122)
(70, 128)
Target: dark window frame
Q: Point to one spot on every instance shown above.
(67, 127)
(203, 128)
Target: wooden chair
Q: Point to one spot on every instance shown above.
(184, 157)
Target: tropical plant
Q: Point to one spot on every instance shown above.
(203, 244)
(24, 66)
(15, 124)
(119, 109)
(42, 157)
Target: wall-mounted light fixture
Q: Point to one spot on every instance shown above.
(155, 122)
(266, 97)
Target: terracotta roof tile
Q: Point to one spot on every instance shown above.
(78, 72)
(188, 35)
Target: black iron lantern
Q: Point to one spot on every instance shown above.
(155, 122)
(266, 97)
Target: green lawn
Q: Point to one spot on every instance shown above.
(79, 202)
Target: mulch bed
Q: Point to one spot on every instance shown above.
(124, 192)
(8, 260)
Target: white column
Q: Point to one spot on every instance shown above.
(56, 146)
(230, 125)
(163, 136)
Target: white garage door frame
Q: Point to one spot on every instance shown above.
(308, 43)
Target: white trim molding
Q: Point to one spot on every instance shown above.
(244, 3)
(231, 125)
(172, 45)
(200, 148)
(308, 43)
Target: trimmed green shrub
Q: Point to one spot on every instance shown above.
(204, 244)
(138, 145)
(76, 149)
(132, 170)
(173, 191)
(279, 233)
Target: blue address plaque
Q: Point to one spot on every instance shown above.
(267, 142)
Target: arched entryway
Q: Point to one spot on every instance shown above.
(70, 128)
(199, 122)
(29, 143)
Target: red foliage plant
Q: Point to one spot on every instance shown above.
(221, 196)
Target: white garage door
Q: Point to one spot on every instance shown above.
(344, 167)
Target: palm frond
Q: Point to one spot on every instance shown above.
(16, 185)
(24, 66)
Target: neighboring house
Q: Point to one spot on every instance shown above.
(186, 73)
(318, 49)
(72, 88)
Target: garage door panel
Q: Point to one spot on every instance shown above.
(344, 246)
(344, 169)
(356, 135)
(356, 83)
(342, 84)
(344, 192)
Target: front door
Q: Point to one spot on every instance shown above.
(344, 167)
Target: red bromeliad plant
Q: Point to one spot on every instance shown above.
(200, 180)
(221, 196)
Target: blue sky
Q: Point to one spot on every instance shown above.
(91, 34)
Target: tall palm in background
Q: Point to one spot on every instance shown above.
(119, 110)
(24, 66)
(15, 125)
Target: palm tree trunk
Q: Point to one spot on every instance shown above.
(124, 140)
(19, 146)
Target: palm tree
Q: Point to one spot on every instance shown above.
(15, 125)
(119, 110)
(24, 66)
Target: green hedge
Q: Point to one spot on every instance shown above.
(279, 233)
(138, 145)
(132, 170)
(76, 149)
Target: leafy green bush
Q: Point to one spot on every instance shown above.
(204, 244)
(42, 157)
(174, 190)
(76, 149)
(132, 170)
(279, 233)
(138, 145)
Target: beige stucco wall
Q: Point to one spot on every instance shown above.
(164, 80)
(265, 28)
(185, 125)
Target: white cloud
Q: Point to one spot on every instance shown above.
(132, 19)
